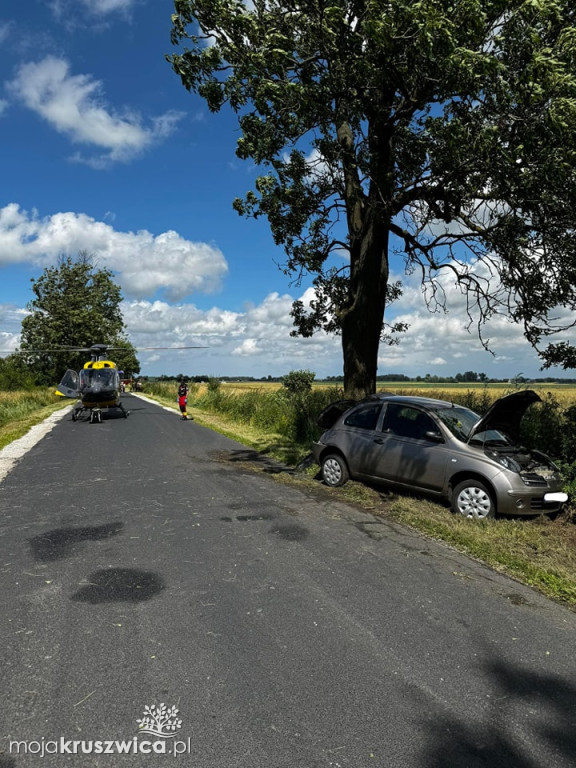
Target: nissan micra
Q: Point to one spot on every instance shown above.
(443, 449)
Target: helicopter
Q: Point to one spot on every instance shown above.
(97, 386)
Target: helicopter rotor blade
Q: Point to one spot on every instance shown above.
(53, 349)
(104, 348)
(192, 347)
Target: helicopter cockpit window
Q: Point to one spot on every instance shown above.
(70, 380)
(98, 379)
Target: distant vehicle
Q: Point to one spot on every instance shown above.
(441, 448)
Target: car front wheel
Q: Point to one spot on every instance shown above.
(334, 470)
(473, 500)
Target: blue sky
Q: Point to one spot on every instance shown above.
(102, 149)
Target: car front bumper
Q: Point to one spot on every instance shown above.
(530, 502)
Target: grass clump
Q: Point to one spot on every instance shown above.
(20, 410)
(281, 414)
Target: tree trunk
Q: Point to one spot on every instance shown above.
(362, 321)
(368, 219)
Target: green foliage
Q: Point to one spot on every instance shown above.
(444, 131)
(213, 384)
(18, 404)
(75, 305)
(15, 374)
(298, 382)
(272, 411)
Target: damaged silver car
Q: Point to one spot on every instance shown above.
(443, 449)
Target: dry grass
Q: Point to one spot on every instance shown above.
(565, 393)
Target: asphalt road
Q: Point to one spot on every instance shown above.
(147, 560)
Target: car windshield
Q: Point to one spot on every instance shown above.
(460, 422)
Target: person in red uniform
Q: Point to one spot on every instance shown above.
(183, 399)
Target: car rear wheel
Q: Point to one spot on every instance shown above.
(472, 499)
(334, 470)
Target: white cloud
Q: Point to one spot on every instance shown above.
(144, 263)
(158, 323)
(248, 348)
(10, 321)
(73, 105)
(5, 30)
(108, 6)
(64, 8)
(443, 342)
(255, 342)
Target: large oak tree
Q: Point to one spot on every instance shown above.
(75, 305)
(441, 129)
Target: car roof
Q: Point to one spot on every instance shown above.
(425, 402)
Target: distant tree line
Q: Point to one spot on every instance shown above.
(471, 377)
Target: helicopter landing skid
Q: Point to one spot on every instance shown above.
(96, 413)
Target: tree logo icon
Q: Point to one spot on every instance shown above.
(160, 721)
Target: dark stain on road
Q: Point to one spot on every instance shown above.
(290, 531)
(128, 585)
(60, 542)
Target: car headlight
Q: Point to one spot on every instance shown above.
(505, 461)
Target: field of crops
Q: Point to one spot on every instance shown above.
(564, 393)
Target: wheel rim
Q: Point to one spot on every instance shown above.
(474, 502)
(332, 472)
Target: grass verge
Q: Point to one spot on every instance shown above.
(20, 425)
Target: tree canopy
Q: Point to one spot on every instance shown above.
(443, 131)
(75, 305)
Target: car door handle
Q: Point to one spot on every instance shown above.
(379, 440)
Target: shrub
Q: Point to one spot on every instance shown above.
(213, 384)
(297, 382)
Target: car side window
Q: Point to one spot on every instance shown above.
(404, 421)
(365, 417)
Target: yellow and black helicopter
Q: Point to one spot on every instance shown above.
(97, 386)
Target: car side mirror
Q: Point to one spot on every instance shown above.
(434, 437)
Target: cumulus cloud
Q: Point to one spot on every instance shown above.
(98, 8)
(73, 105)
(10, 321)
(257, 340)
(144, 263)
(445, 342)
(5, 30)
(108, 6)
(254, 342)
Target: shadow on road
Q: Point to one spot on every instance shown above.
(128, 585)
(545, 703)
(59, 543)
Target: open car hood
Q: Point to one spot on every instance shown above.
(506, 414)
(332, 412)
